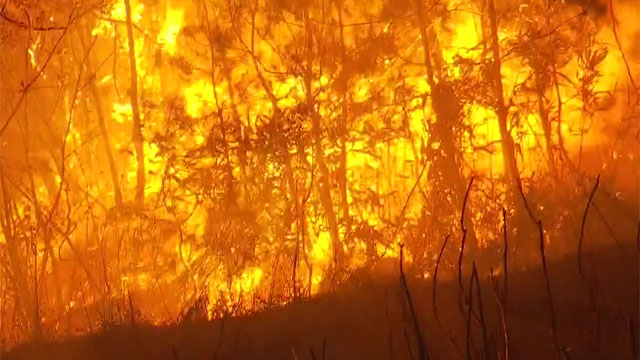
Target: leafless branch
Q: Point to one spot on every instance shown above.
(584, 221)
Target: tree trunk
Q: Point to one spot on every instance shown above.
(316, 130)
(446, 166)
(113, 169)
(511, 173)
(343, 129)
(230, 195)
(138, 140)
(544, 120)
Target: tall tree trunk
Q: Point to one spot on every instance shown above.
(447, 158)
(138, 140)
(289, 173)
(113, 168)
(230, 195)
(544, 120)
(343, 128)
(511, 173)
(316, 131)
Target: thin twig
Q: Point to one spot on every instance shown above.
(422, 348)
(545, 271)
(468, 333)
(503, 315)
(584, 221)
(132, 311)
(464, 235)
(406, 202)
(615, 35)
(435, 279)
(505, 266)
(406, 340)
(485, 345)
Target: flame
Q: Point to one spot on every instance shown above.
(199, 98)
(171, 29)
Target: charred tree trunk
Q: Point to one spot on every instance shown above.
(138, 140)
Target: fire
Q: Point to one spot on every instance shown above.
(171, 29)
(199, 98)
(285, 146)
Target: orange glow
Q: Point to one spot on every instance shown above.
(286, 141)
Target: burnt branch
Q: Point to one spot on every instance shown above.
(435, 279)
(547, 282)
(464, 235)
(584, 221)
(422, 347)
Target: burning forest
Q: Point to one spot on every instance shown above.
(319, 179)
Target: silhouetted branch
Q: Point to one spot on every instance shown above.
(408, 343)
(469, 311)
(406, 202)
(474, 275)
(435, 279)
(505, 264)
(464, 235)
(545, 271)
(422, 348)
(584, 221)
(503, 315)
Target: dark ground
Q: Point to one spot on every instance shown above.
(369, 319)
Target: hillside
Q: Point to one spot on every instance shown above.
(368, 318)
